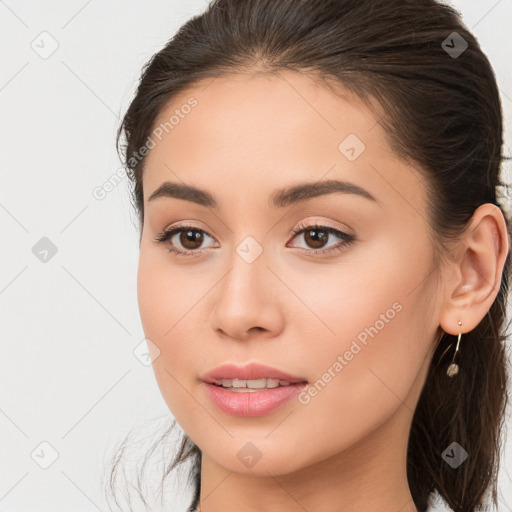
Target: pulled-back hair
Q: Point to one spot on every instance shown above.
(440, 107)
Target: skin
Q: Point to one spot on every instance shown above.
(247, 137)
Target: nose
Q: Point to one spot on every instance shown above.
(247, 302)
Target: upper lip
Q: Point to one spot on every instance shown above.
(251, 371)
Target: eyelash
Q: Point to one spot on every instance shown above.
(348, 240)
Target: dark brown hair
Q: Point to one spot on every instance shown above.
(441, 112)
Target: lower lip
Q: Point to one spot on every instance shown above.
(252, 403)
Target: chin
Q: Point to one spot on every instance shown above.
(249, 456)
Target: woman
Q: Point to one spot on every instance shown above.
(323, 254)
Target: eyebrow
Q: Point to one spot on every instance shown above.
(279, 199)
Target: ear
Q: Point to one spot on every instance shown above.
(476, 270)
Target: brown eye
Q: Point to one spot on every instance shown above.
(183, 240)
(191, 238)
(316, 238)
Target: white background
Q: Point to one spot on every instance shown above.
(69, 326)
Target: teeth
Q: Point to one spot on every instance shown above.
(251, 384)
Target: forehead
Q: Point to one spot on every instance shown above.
(248, 112)
(243, 131)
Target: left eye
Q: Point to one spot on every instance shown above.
(317, 235)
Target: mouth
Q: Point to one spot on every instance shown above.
(248, 386)
(251, 390)
(250, 376)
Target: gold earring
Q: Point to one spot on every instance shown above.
(453, 369)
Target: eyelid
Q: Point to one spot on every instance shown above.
(319, 224)
(184, 225)
(171, 230)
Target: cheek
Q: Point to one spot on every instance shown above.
(162, 294)
(166, 306)
(152, 297)
(160, 309)
(371, 383)
(158, 299)
(378, 343)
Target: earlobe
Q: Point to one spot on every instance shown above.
(479, 270)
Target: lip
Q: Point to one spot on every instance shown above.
(251, 403)
(251, 371)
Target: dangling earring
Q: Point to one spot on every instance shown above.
(453, 369)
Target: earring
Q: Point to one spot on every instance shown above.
(453, 369)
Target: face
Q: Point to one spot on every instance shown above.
(336, 289)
